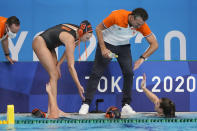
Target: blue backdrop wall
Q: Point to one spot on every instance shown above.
(171, 69)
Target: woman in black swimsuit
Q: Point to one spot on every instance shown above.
(44, 45)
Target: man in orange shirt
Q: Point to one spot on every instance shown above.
(8, 28)
(114, 34)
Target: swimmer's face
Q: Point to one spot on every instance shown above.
(86, 37)
(158, 109)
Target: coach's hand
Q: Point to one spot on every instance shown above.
(10, 59)
(138, 63)
(105, 52)
(81, 91)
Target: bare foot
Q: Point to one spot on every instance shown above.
(62, 114)
(52, 116)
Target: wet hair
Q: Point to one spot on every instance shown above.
(140, 12)
(168, 107)
(13, 20)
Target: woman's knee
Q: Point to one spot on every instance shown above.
(54, 75)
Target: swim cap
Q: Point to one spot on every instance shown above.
(85, 26)
(112, 112)
(38, 113)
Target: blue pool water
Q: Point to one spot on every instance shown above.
(148, 126)
(106, 127)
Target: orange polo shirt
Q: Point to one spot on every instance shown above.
(2, 26)
(117, 30)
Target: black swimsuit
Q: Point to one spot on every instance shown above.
(51, 35)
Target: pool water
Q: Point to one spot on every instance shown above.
(107, 126)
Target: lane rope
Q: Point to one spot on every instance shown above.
(167, 120)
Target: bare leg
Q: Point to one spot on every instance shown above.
(48, 110)
(48, 84)
(46, 59)
(61, 113)
(49, 91)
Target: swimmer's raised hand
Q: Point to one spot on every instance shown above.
(143, 83)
